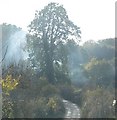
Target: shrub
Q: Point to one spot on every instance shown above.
(49, 90)
(98, 104)
(7, 108)
(66, 91)
(39, 108)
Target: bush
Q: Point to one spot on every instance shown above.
(7, 108)
(39, 108)
(27, 108)
(56, 107)
(66, 91)
(71, 93)
(49, 90)
(98, 104)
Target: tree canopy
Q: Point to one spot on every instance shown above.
(49, 31)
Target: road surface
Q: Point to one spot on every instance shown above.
(72, 110)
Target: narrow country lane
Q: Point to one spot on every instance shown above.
(72, 110)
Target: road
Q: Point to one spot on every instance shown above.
(72, 110)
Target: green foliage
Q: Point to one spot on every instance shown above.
(49, 90)
(8, 84)
(100, 71)
(45, 79)
(71, 93)
(56, 107)
(66, 91)
(48, 34)
(98, 104)
(103, 49)
(7, 108)
(33, 98)
(39, 108)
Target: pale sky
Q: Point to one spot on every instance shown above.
(96, 18)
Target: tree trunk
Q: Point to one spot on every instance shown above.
(49, 70)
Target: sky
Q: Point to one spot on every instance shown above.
(96, 18)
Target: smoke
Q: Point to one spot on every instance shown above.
(15, 52)
(75, 66)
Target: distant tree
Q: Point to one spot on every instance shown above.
(7, 31)
(50, 30)
(106, 46)
(101, 72)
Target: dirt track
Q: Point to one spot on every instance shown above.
(72, 110)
